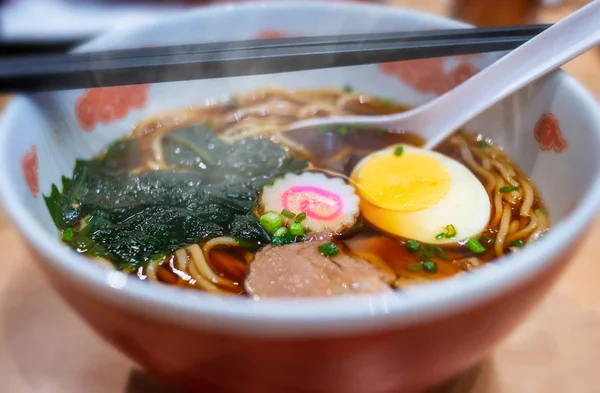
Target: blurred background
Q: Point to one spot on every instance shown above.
(71, 20)
(556, 350)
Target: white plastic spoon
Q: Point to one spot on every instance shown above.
(440, 117)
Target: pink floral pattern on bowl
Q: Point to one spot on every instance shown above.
(108, 104)
(29, 165)
(424, 75)
(271, 34)
(430, 75)
(548, 134)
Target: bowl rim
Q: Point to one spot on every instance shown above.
(296, 317)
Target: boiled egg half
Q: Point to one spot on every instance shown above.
(420, 194)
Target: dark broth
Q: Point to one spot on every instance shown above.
(335, 149)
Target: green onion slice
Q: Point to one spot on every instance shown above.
(430, 267)
(474, 245)
(287, 213)
(450, 231)
(329, 249)
(280, 232)
(300, 217)
(441, 253)
(412, 246)
(271, 221)
(343, 130)
(296, 229)
(518, 243)
(288, 238)
(507, 189)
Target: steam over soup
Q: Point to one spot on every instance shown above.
(225, 199)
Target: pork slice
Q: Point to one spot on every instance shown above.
(299, 270)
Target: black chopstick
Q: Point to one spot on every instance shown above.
(238, 58)
(29, 47)
(33, 47)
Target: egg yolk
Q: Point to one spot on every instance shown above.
(408, 182)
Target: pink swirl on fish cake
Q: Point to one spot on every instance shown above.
(316, 202)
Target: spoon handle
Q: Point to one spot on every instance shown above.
(532, 60)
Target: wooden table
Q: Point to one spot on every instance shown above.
(45, 348)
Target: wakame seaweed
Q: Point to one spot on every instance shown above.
(208, 191)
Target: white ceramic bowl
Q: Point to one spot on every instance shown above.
(383, 343)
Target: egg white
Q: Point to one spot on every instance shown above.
(466, 206)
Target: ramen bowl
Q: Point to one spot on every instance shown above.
(394, 342)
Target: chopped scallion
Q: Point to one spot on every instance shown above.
(414, 267)
(507, 189)
(280, 232)
(441, 253)
(483, 144)
(450, 231)
(426, 251)
(399, 150)
(271, 221)
(430, 267)
(329, 249)
(439, 236)
(277, 241)
(296, 229)
(288, 238)
(68, 234)
(474, 245)
(343, 130)
(412, 246)
(541, 211)
(518, 243)
(348, 89)
(287, 213)
(300, 217)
